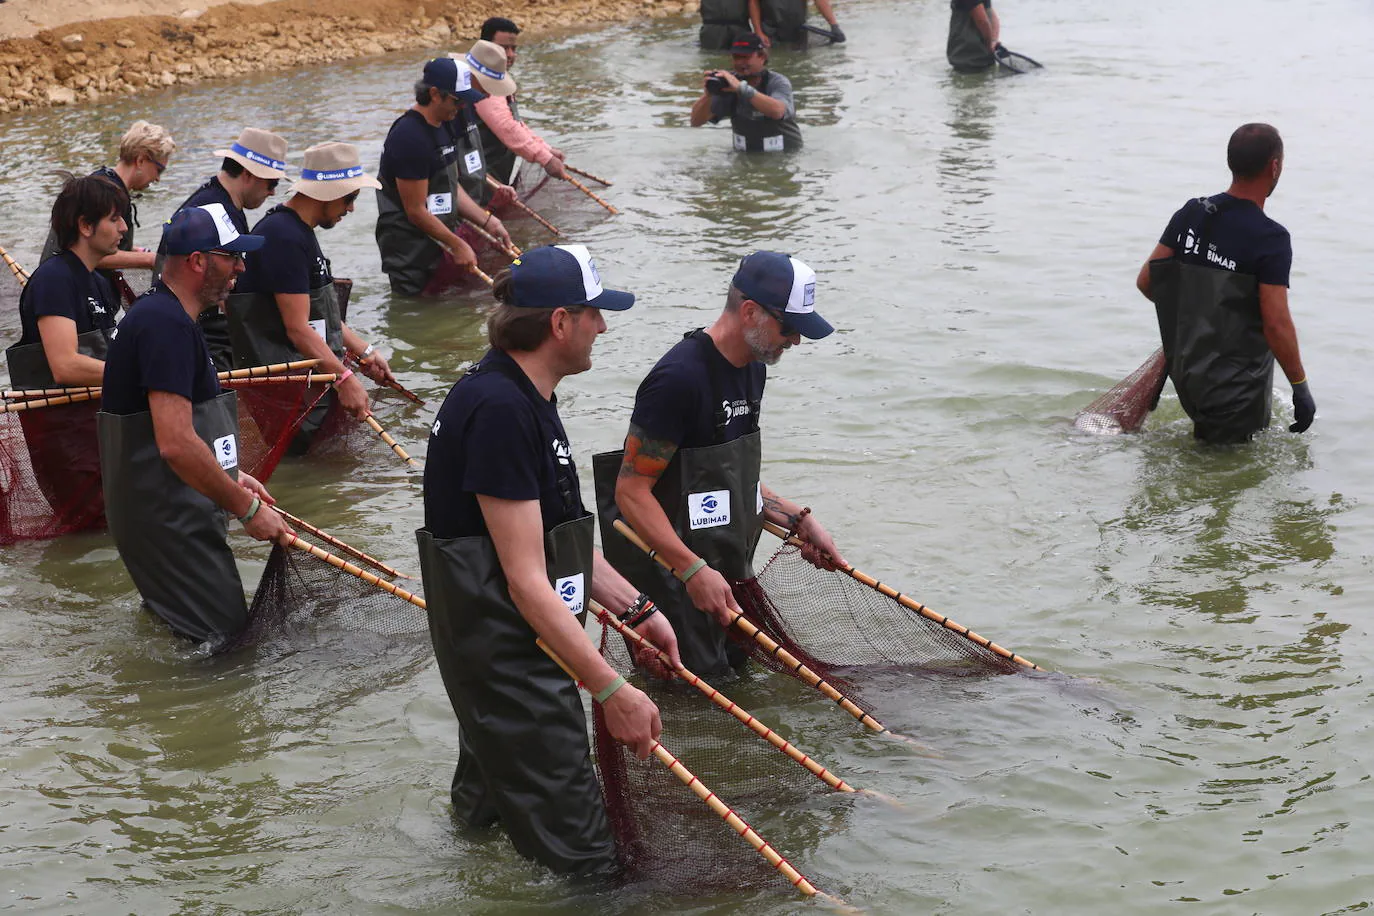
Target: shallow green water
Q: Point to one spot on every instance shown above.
(977, 241)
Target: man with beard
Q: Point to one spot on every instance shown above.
(758, 101)
(248, 175)
(285, 306)
(169, 439)
(1219, 280)
(688, 479)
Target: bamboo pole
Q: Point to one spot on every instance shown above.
(19, 273)
(527, 209)
(311, 378)
(510, 250)
(788, 661)
(736, 823)
(482, 275)
(26, 393)
(386, 437)
(370, 578)
(725, 703)
(329, 539)
(394, 385)
(256, 371)
(21, 406)
(910, 603)
(584, 174)
(590, 193)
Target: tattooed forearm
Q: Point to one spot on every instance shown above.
(645, 457)
(778, 513)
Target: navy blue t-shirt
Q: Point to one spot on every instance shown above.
(415, 150)
(1241, 239)
(679, 402)
(497, 436)
(62, 286)
(290, 261)
(157, 347)
(212, 192)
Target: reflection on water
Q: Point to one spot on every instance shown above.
(967, 160)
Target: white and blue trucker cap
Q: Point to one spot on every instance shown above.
(558, 276)
(784, 286)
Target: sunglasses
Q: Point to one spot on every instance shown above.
(272, 184)
(236, 255)
(781, 315)
(351, 198)
(160, 166)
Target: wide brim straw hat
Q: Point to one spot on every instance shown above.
(487, 61)
(261, 152)
(331, 171)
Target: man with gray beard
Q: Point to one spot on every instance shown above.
(688, 481)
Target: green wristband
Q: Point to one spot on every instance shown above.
(253, 508)
(609, 689)
(692, 570)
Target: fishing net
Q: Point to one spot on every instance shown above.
(50, 458)
(1123, 408)
(665, 835)
(298, 591)
(1012, 62)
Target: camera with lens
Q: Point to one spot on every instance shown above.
(715, 84)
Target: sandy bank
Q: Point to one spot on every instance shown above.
(158, 43)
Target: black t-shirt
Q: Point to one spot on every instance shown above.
(290, 261)
(157, 347)
(497, 436)
(1241, 239)
(212, 192)
(415, 150)
(688, 393)
(967, 6)
(62, 286)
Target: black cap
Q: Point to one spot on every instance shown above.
(747, 44)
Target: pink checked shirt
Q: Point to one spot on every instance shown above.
(518, 138)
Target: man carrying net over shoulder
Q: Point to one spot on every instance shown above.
(688, 482)
(1219, 281)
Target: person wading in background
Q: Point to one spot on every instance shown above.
(507, 556)
(758, 101)
(1219, 281)
(974, 33)
(504, 135)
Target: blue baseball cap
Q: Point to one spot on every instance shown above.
(784, 286)
(206, 228)
(453, 77)
(558, 276)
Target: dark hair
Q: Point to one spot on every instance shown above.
(1251, 148)
(91, 198)
(515, 327)
(734, 299)
(498, 24)
(422, 92)
(232, 167)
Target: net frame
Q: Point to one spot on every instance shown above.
(1124, 407)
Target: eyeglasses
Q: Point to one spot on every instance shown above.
(351, 198)
(160, 166)
(236, 255)
(272, 184)
(781, 316)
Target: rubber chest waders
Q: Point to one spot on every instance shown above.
(170, 537)
(722, 21)
(783, 21)
(712, 497)
(755, 133)
(409, 256)
(966, 49)
(524, 759)
(472, 166)
(1213, 337)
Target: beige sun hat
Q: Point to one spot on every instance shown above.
(332, 170)
(261, 152)
(487, 61)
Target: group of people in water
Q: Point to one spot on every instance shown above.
(506, 549)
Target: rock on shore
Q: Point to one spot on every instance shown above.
(80, 62)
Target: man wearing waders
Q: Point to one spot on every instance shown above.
(974, 33)
(248, 175)
(421, 202)
(285, 307)
(169, 439)
(1219, 282)
(505, 135)
(688, 479)
(783, 22)
(506, 554)
(758, 101)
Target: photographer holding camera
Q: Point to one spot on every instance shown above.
(757, 101)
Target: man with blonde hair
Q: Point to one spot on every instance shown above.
(144, 153)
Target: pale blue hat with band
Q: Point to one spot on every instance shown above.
(261, 152)
(332, 170)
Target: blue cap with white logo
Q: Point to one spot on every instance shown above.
(784, 286)
(206, 228)
(559, 276)
(452, 77)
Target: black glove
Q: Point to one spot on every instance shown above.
(836, 34)
(1304, 408)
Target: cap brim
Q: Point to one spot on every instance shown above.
(612, 300)
(809, 324)
(255, 168)
(470, 95)
(244, 243)
(499, 88)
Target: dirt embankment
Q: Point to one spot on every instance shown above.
(86, 61)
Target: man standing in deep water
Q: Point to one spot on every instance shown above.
(757, 101)
(974, 32)
(1219, 281)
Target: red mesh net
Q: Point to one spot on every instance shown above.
(1125, 406)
